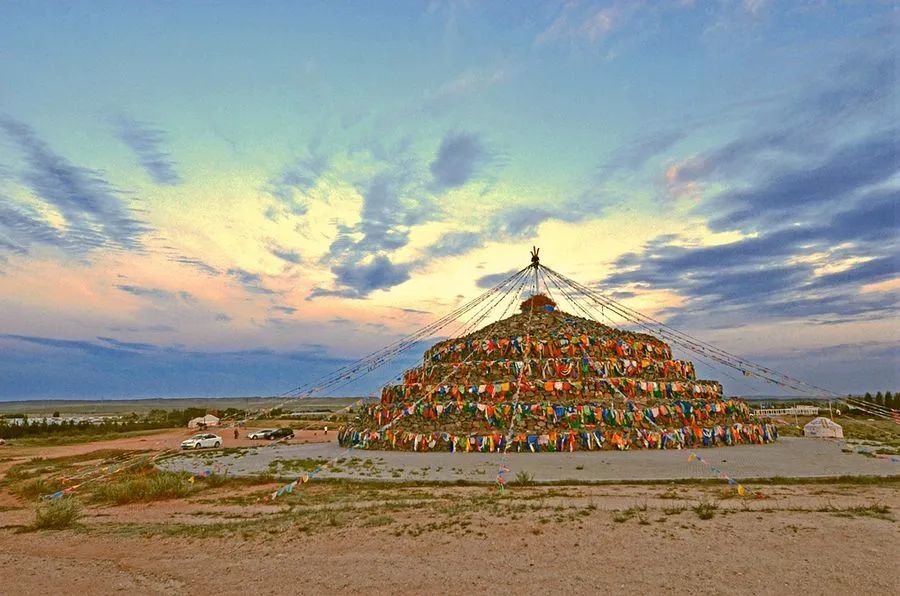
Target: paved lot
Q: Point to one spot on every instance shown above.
(791, 457)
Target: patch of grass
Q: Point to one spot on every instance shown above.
(282, 466)
(36, 487)
(670, 493)
(706, 509)
(878, 511)
(153, 485)
(378, 521)
(57, 514)
(523, 478)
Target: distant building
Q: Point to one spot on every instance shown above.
(208, 420)
(791, 411)
(823, 428)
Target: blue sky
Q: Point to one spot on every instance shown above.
(209, 198)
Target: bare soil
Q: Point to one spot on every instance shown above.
(329, 538)
(414, 537)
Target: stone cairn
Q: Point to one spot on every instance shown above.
(546, 380)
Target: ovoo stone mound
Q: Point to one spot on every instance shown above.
(564, 382)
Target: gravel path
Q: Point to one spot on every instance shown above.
(789, 457)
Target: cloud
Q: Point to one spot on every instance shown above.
(140, 328)
(156, 293)
(288, 310)
(492, 279)
(196, 263)
(851, 168)
(468, 84)
(518, 222)
(764, 276)
(458, 159)
(285, 254)
(95, 215)
(222, 317)
(126, 345)
(859, 92)
(359, 256)
(294, 181)
(147, 144)
(455, 243)
(358, 279)
(33, 367)
(252, 282)
(24, 227)
(587, 23)
(634, 155)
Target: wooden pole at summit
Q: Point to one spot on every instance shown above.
(535, 264)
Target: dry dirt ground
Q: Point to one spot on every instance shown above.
(150, 441)
(816, 537)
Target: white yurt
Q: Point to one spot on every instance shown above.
(208, 420)
(823, 428)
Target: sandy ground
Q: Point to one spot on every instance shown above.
(331, 537)
(151, 441)
(789, 457)
(542, 540)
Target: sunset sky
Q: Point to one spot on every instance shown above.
(231, 198)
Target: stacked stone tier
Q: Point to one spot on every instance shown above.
(478, 426)
(566, 390)
(518, 347)
(562, 367)
(561, 383)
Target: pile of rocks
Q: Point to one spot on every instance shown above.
(551, 374)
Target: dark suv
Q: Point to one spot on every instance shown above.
(280, 433)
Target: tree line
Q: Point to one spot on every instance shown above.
(154, 419)
(887, 399)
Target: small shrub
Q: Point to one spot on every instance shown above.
(524, 478)
(37, 487)
(705, 510)
(57, 514)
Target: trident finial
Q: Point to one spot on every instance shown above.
(535, 259)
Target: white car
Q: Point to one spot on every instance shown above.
(262, 433)
(200, 441)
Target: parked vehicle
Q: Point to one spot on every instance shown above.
(201, 441)
(262, 433)
(281, 433)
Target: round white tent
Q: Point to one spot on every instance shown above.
(823, 428)
(208, 420)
